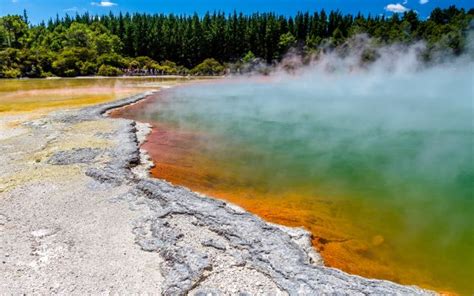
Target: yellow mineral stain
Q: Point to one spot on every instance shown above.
(19, 96)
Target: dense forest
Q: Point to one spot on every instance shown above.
(138, 44)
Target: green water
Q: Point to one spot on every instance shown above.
(395, 152)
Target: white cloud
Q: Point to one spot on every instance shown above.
(405, 2)
(424, 1)
(396, 8)
(104, 4)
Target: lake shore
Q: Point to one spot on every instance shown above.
(164, 77)
(79, 214)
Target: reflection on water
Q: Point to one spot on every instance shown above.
(383, 181)
(18, 95)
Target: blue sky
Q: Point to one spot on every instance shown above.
(43, 9)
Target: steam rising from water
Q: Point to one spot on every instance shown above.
(395, 135)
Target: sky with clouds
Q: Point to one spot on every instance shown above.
(43, 9)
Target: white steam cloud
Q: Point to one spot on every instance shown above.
(377, 124)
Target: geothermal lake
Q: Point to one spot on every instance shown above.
(24, 95)
(378, 167)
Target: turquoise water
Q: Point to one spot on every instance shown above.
(392, 155)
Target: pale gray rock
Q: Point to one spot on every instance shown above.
(106, 229)
(76, 155)
(201, 238)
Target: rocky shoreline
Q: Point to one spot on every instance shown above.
(186, 243)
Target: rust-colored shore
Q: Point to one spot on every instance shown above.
(334, 237)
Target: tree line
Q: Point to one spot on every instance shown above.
(138, 44)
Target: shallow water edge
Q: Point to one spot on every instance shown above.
(249, 239)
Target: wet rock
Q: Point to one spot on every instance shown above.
(201, 239)
(207, 292)
(107, 175)
(76, 155)
(214, 244)
(274, 251)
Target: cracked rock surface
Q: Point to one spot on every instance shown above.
(79, 215)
